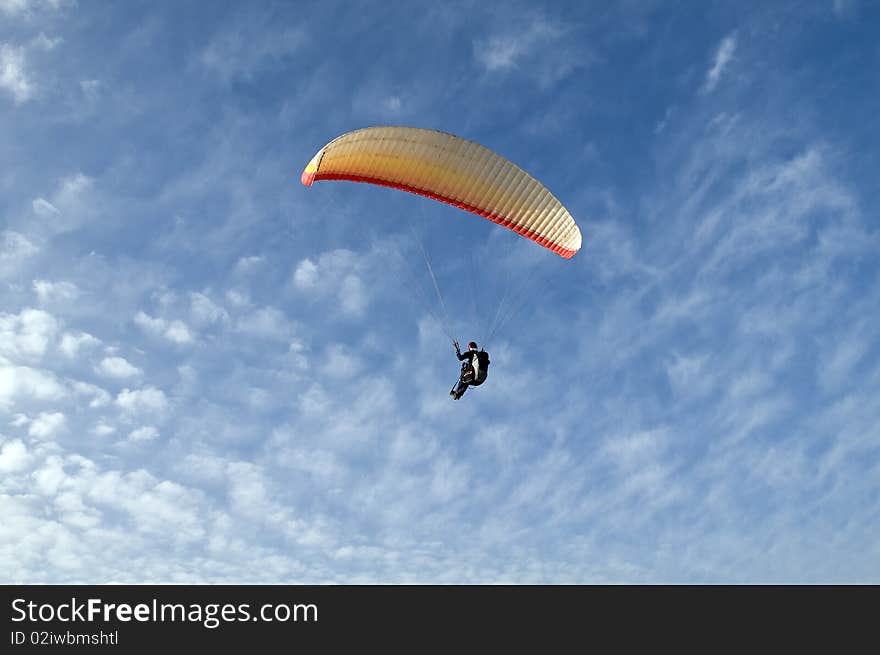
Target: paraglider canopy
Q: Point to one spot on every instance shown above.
(452, 170)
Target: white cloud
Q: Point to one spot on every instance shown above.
(249, 49)
(238, 298)
(314, 402)
(723, 56)
(72, 511)
(118, 367)
(841, 357)
(99, 397)
(72, 343)
(635, 451)
(749, 385)
(306, 274)
(44, 208)
(499, 53)
(12, 74)
(450, 479)
(175, 331)
(248, 264)
(338, 363)
(13, 7)
(321, 463)
(337, 275)
(27, 334)
(70, 206)
(205, 311)
(90, 88)
(43, 42)
(47, 425)
(73, 185)
(543, 50)
(147, 323)
(15, 248)
(19, 420)
(103, 430)
(297, 354)
(14, 456)
(18, 7)
(772, 207)
(166, 298)
(149, 399)
(266, 323)
(178, 332)
(353, 296)
(63, 517)
(49, 292)
(145, 433)
(564, 457)
(689, 376)
(50, 476)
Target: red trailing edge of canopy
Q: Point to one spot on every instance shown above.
(309, 178)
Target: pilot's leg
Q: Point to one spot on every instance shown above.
(458, 390)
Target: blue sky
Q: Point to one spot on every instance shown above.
(210, 373)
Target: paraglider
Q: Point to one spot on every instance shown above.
(458, 172)
(474, 369)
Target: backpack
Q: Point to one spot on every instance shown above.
(481, 367)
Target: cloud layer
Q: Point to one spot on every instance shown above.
(209, 373)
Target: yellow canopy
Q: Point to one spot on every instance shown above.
(452, 170)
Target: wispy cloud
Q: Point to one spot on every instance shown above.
(723, 56)
(248, 49)
(543, 50)
(49, 292)
(207, 370)
(502, 52)
(393, 104)
(16, 75)
(248, 264)
(845, 8)
(15, 248)
(12, 7)
(13, 77)
(43, 207)
(19, 7)
(145, 433)
(43, 42)
(338, 275)
(205, 311)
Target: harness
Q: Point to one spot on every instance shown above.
(475, 369)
